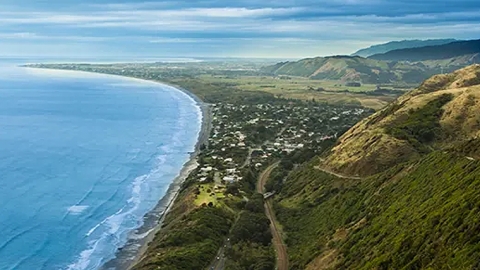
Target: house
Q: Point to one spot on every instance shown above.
(229, 179)
(206, 169)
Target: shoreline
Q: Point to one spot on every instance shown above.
(137, 243)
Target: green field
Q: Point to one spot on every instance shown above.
(205, 197)
(304, 89)
(283, 84)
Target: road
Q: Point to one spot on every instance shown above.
(219, 261)
(280, 248)
(249, 156)
(337, 174)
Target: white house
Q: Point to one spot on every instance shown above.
(229, 179)
(206, 169)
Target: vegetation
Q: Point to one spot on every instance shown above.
(439, 114)
(420, 215)
(356, 69)
(250, 256)
(251, 239)
(422, 125)
(191, 245)
(290, 161)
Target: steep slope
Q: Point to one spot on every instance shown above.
(403, 44)
(438, 52)
(423, 214)
(442, 110)
(348, 68)
(417, 202)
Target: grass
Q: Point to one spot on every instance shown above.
(303, 89)
(205, 197)
(282, 84)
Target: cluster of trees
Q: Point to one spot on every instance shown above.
(188, 242)
(251, 238)
(353, 84)
(422, 125)
(295, 158)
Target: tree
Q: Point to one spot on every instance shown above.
(232, 188)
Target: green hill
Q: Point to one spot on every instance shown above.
(441, 111)
(400, 190)
(352, 68)
(403, 44)
(438, 52)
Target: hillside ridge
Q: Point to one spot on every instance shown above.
(402, 44)
(368, 70)
(401, 131)
(437, 52)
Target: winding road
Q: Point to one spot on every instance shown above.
(280, 248)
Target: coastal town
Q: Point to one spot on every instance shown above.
(249, 137)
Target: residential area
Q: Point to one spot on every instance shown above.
(249, 137)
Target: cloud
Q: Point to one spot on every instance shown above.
(240, 27)
(33, 36)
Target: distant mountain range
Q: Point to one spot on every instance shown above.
(412, 65)
(353, 68)
(396, 45)
(445, 51)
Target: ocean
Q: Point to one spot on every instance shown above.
(83, 157)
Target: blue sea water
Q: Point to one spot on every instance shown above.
(82, 159)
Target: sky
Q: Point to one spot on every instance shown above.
(242, 28)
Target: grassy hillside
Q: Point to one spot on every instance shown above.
(446, 51)
(424, 214)
(441, 111)
(403, 44)
(353, 68)
(400, 190)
